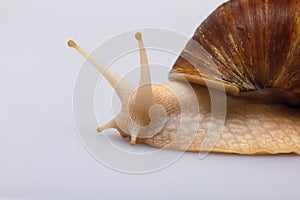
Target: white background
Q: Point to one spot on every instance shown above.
(41, 156)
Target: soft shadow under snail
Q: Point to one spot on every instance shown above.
(252, 49)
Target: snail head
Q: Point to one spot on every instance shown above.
(144, 110)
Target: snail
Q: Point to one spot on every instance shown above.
(251, 49)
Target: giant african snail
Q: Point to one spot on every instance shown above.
(255, 49)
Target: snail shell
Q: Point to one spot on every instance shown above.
(249, 45)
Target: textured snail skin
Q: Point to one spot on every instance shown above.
(251, 127)
(251, 48)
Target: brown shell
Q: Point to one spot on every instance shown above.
(248, 45)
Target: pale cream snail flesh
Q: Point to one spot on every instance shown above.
(263, 92)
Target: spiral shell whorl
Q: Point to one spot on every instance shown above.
(250, 44)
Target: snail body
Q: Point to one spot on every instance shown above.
(251, 49)
(251, 127)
